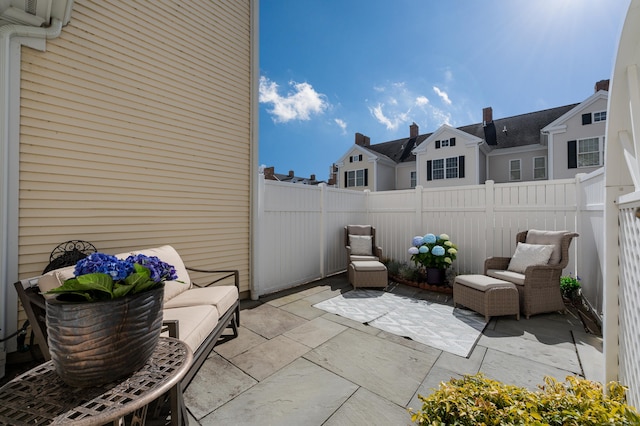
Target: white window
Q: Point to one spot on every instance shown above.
(438, 169)
(599, 116)
(444, 168)
(515, 171)
(589, 152)
(356, 178)
(413, 180)
(444, 142)
(539, 167)
(355, 158)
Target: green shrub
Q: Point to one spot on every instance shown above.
(476, 400)
(570, 286)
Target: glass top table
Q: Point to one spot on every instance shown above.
(40, 397)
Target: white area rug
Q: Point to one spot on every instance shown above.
(439, 326)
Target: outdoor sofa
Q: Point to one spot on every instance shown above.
(197, 314)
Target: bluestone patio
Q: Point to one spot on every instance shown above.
(294, 364)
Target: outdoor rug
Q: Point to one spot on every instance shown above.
(439, 326)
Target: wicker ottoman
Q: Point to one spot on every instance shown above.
(489, 296)
(368, 274)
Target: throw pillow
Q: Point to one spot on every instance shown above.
(529, 255)
(360, 245)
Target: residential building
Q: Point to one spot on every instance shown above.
(270, 174)
(553, 143)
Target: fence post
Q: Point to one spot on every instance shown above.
(419, 226)
(258, 239)
(323, 229)
(490, 199)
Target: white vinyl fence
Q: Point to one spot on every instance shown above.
(301, 227)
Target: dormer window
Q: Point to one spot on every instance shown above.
(355, 158)
(445, 143)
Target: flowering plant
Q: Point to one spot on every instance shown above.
(433, 252)
(101, 276)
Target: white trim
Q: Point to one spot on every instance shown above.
(468, 138)
(558, 125)
(12, 38)
(256, 179)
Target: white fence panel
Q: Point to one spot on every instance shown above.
(301, 235)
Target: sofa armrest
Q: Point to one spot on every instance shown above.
(172, 327)
(221, 275)
(377, 251)
(499, 263)
(541, 276)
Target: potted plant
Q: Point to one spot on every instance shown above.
(104, 323)
(435, 254)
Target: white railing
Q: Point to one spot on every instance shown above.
(301, 227)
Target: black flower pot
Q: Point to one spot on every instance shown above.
(93, 343)
(435, 276)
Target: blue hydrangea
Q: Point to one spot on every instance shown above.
(437, 251)
(105, 264)
(414, 250)
(429, 239)
(160, 271)
(423, 249)
(417, 241)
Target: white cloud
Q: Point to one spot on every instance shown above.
(443, 95)
(392, 122)
(342, 124)
(298, 104)
(421, 100)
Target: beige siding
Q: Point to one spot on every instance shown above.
(136, 132)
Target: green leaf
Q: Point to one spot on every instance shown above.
(120, 290)
(97, 281)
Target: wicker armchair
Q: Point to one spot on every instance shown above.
(539, 286)
(361, 230)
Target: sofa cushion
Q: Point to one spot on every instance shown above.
(553, 238)
(359, 258)
(195, 323)
(483, 282)
(169, 255)
(360, 245)
(512, 277)
(222, 297)
(529, 255)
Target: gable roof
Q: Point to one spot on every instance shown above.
(446, 128)
(560, 121)
(523, 129)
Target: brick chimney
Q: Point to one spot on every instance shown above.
(362, 140)
(602, 85)
(413, 130)
(312, 178)
(290, 173)
(487, 115)
(269, 173)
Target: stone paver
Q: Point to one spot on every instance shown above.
(367, 408)
(300, 394)
(269, 321)
(246, 340)
(217, 382)
(374, 363)
(265, 359)
(315, 332)
(303, 308)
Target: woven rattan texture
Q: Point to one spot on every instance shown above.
(40, 397)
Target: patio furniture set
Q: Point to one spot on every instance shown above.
(527, 283)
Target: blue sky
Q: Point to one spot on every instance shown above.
(331, 68)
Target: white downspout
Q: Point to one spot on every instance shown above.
(12, 37)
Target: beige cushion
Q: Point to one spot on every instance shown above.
(483, 282)
(368, 266)
(360, 245)
(222, 297)
(55, 278)
(195, 323)
(512, 277)
(359, 258)
(553, 238)
(528, 255)
(169, 255)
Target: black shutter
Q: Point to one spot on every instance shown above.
(360, 157)
(572, 155)
(429, 170)
(437, 144)
(586, 118)
(452, 142)
(461, 166)
(351, 158)
(366, 177)
(345, 180)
